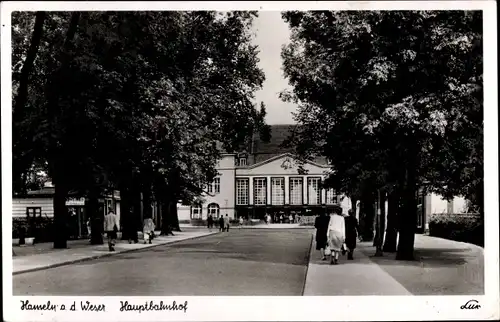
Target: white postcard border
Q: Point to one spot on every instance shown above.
(311, 308)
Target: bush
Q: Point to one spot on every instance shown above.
(466, 228)
(307, 220)
(40, 228)
(199, 222)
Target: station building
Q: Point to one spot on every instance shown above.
(266, 179)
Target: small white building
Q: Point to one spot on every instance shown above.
(40, 203)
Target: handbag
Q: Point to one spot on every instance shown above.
(328, 251)
(344, 249)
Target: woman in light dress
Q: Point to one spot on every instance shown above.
(336, 234)
(148, 230)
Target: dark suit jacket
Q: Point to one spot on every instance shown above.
(351, 227)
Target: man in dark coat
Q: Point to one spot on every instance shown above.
(210, 222)
(321, 225)
(351, 233)
(221, 223)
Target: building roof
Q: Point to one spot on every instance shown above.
(48, 192)
(266, 150)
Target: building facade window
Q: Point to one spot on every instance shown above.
(196, 211)
(217, 185)
(259, 191)
(214, 187)
(296, 191)
(313, 191)
(33, 212)
(331, 197)
(242, 162)
(214, 210)
(278, 191)
(242, 191)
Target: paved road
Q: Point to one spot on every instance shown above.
(241, 262)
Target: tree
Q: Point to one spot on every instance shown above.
(389, 84)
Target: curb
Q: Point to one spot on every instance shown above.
(272, 228)
(307, 267)
(41, 268)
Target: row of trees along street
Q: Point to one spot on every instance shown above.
(142, 102)
(394, 100)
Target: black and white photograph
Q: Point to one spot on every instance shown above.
(249, 161)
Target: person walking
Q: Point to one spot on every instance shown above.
(210, 222)
(221, 223)
(111, 229)
(241, 222)
(226, 223)
(89, 229)
(336, 234)
(148, 230)
(351, 233)
(321, 225)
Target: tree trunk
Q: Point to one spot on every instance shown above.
(383, 198)
(22, 161)
(55, 153)
(353, 205)
(380, 231)
(96, 218)
(391, 236)
(22, 94)
(174, 218)
(136, 219)
(125, 212)
(380, 225)
(408, 218)
(166, 225)
(146, 201)
(163, 218)
(367, 218)
(60, 215)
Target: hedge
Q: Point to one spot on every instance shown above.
(307, 220)
(467, 228)
(41, 229)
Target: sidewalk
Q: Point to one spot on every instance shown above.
(78, 252)
(349, 278)
(442, 267)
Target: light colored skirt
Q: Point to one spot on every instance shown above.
(335, 240)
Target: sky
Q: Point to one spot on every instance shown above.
(271, 32)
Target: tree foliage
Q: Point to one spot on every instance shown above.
(385, 95)
(120, 99)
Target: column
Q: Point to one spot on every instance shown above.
(250, 190)
(268, 190)
(304, 190)
(287, 190)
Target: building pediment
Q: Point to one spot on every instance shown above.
(285, 164)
